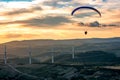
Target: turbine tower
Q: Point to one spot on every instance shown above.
(73, 52)
(5, 55)
(30, 57)
(52, 60)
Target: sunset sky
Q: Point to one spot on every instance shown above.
(51, 19)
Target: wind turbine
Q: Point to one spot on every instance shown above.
(52, 56)
(30, 57)
(73, 52)
(5, 55)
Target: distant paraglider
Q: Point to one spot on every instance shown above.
(86, 32)
(85, 7)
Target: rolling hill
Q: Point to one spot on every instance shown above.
(41, 49)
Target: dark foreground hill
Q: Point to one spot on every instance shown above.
(57, 72)
(8, 72)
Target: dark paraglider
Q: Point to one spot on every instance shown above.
(85, 7)
(86, 32)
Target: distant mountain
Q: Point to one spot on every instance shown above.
(41, 49)
(47, 42)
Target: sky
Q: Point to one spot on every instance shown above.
(51, 19)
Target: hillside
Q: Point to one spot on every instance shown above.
(90, 57)
(41, 49)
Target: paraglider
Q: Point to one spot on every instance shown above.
(86, 32)
(85, 7)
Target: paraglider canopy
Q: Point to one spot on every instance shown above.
(85, 7)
